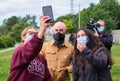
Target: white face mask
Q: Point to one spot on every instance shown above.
(82, 39)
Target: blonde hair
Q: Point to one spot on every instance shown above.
(25, 30)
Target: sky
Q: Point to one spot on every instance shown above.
(10, 8)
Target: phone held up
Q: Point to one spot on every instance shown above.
(47, 11)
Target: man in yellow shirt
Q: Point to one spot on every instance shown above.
(58, 53)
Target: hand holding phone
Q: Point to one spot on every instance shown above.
(47, 11)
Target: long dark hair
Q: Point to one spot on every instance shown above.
(93, 44)
(72, 38)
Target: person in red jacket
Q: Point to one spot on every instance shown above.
(27, 64)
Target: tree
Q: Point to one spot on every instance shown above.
(71, 22)
(3, 30)
(13, 26)
(114, 8)
(30, 20)
(106, 10)
(69, 26)
(16, 32)
(8, 23)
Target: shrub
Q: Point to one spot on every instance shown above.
(2, 43)
(6, 41)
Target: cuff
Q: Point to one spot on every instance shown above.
(69, 69)
(36, 36)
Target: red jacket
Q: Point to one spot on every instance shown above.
(27, 64)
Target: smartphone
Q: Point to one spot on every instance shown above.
(47, 11)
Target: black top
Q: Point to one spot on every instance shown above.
(96, 66)
(107, 40)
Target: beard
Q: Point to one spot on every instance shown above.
(58, 39)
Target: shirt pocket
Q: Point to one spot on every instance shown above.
(50, 55)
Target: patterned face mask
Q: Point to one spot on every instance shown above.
(82, 39)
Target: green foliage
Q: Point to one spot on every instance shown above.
(9, 41)
(5, 59)
(13, 26)
(71, 22)
(6, 41)
(69, 25)
(16, 32)
(115, 72)
(3, 30)
(106, 10)
(2, 43)
(8, 23)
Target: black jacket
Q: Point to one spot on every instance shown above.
(106, 39)
(96, 68)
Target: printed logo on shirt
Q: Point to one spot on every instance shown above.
(36, 68)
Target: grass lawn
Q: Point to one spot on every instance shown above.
(6, 57)
(2, 49)
(4, 64)
(115, 72)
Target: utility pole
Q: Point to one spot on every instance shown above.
(79, 17)
(72, 4)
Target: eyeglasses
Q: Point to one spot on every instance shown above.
(31, 32)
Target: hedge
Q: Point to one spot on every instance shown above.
(6, 41)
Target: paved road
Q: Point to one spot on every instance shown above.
(9, 48)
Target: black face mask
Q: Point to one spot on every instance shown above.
(59, 39)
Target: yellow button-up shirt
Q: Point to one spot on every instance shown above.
(58, 58)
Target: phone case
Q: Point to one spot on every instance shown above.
(47, 11)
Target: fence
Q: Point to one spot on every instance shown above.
(116, 36)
